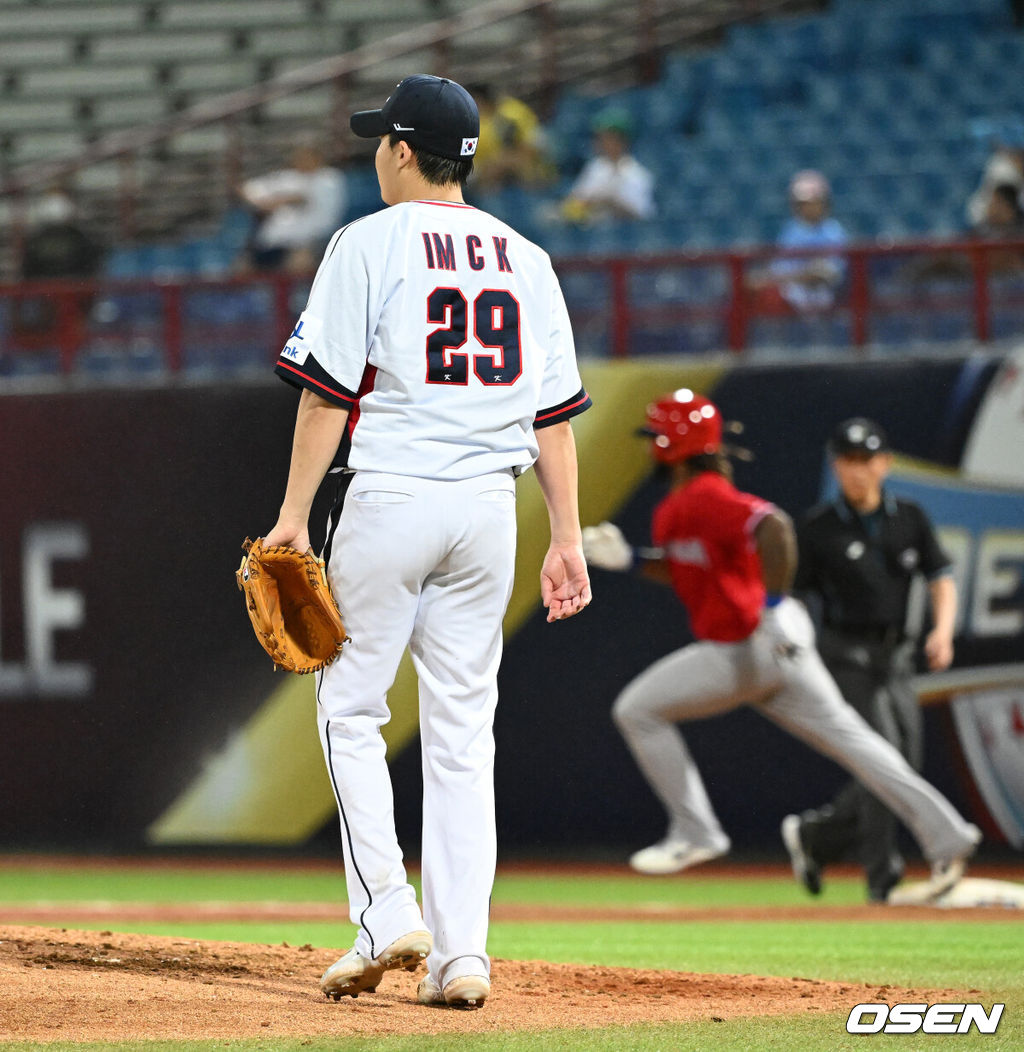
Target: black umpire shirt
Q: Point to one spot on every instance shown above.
(862, 565)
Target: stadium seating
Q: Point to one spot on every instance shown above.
(879, 94)
(889, 98)
(883, 96)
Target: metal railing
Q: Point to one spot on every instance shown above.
(924, 292)
(976, 287)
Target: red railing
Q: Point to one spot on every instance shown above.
(970, 285)
(972, 277)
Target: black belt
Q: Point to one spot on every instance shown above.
(889, 635)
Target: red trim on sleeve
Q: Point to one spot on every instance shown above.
(369, 378)
(309, 379)
(563, 409)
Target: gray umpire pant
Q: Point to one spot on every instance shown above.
(874, 678)
(795, 692)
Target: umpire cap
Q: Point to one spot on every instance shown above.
(858, 435)
(431, 113)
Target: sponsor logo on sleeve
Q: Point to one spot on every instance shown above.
(300, 342)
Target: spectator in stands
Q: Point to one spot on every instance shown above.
(512, 150)
(1004, 168)
(803, 283)
(58, 246)
(1003, 219)
(298, 208)
(613, 183)
(1004, 216)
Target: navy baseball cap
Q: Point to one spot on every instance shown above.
(858, 435)
(431, 113)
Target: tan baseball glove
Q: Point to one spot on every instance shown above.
(291, 607)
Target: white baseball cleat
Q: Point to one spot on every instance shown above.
(946, 873)
(671, 856)
(465, 991)
(355, 974)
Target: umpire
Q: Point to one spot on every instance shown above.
(859, 556)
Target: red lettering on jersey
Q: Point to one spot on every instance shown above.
(501, 249)
(445, 252)
(430, 252)
(473, 243)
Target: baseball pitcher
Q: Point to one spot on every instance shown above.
(436, 364)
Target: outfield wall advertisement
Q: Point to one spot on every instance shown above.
(136, 709)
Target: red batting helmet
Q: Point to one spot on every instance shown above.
(683, 425)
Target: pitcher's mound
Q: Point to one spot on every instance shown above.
(65, 986)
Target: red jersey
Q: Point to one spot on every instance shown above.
(707, 530)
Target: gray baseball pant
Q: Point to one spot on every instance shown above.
(797, 693)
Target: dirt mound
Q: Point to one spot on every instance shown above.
(64, 986)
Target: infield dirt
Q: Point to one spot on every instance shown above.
(65, 986)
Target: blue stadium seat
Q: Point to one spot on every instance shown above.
(216, 357)
(235, 229)
(702, 235)
(38, 362)
(227, 305)
(672, 110)
(679, 285)
(891, 329)
(112, 358)
(166, 262)
(876, 93)
(124, 264)
(585, 289)
(1007, 323)
(363, 195)
(123, 310)
(559, 240)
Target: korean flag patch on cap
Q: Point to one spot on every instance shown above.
(469, 147)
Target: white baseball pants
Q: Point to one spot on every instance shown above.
(707, 679)
(427, 564)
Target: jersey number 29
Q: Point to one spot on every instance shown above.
(495, 324)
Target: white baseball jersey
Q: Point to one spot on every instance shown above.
(446, 335)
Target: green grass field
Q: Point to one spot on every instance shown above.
(984, 956)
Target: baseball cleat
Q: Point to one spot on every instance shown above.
(948, 872)
(671, 856)
(805, 869)
(355, 974)
(351, 976)
(465, 991)
(408, 952)
(880, 891)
